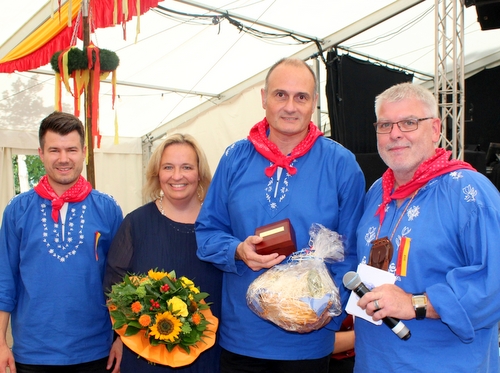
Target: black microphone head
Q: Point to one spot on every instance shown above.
(351, 280)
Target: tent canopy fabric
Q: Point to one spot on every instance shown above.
(199, 67)
(185, 55)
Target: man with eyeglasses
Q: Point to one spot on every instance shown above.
(440, 222)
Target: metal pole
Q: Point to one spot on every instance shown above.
(88, 98)
(318, 103)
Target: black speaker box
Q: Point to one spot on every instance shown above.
(488, 14)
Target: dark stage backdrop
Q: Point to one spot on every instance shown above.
(482, 103)
(351, 88)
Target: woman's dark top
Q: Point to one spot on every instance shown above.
(148, 240)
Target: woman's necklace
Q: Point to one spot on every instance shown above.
(161, 205)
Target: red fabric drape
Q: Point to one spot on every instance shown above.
(102, 16)
(42, 55)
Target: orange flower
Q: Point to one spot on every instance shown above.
(196, 318)
(135, 280)
(145, 320)
(192, 307)
(112, 307)
(136, 307)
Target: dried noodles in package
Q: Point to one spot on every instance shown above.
(300, 295)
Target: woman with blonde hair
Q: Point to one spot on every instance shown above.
(160, 235)
(152, 188)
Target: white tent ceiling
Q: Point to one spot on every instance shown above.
(181, 60)
(191, 71)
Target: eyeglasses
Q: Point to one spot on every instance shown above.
(405, 125)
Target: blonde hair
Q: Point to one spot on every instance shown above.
(152, 186)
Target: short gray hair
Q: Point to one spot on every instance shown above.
(292, 62)
(405, 91)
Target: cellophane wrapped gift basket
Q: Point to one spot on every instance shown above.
(300, 295)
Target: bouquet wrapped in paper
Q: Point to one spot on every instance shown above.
(162, 317)
(300, 295)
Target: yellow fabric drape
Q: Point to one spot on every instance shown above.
(45, 32)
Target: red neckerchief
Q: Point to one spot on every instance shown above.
(436, 165)
(258, 137)
(76, 193)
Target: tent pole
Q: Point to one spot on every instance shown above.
(88, 99)
(318, 103)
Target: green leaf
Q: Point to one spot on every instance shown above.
(117, 315)
(185, 348)
(135, 324)
(200, 296)
(151, 291)
(186, 328)
(119, 324)
(127, 290)
(131, 330)
(153, 341)
(166, 281)
(202, 306)
(202, 326)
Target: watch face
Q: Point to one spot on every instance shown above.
(419, 300)
(420, 306)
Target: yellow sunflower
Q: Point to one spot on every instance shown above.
(156, 275)
(166, 328)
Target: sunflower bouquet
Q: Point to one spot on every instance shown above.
(161, 317)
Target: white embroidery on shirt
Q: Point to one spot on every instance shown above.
(432, 182)
(228, 149)
(275, 195)
(405, 231)
(61, 249)
(470, 193)
(392, 268)
(370, 236)
(413, 212)
(456, 175)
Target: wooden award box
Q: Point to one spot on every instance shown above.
(279, 237)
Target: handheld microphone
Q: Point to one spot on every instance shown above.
(352, 281)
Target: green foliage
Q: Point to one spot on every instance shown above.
(153, 295)
(35, 169)
(15, 168)
(77, 60)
